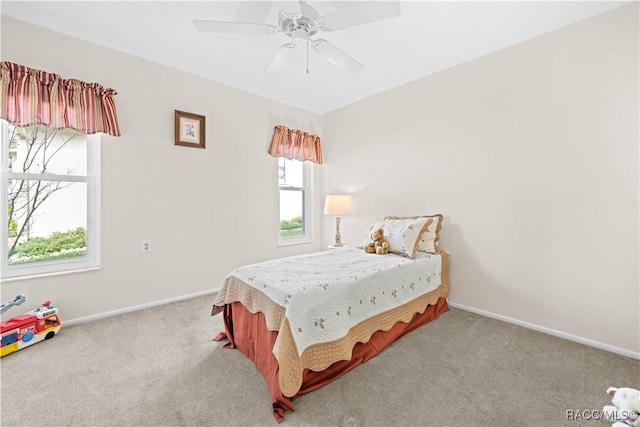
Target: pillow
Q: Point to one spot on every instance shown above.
(403, 234)
(429, 239)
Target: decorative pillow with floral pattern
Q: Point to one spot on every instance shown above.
(429, 239)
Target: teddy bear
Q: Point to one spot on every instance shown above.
(378, 244)
(626, 407)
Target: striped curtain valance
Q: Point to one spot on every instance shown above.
(295, 144)
(29, 97)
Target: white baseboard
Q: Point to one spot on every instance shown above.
(85, 319)
(555, 333)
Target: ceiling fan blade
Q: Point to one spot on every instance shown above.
(282, 59)
(253, 11)
(359, 13)
(233, 27)
(336, 56)
(308, 10)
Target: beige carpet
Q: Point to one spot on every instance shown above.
(159, 367)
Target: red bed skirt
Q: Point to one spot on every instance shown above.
(248, 332)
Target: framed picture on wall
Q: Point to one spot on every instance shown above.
(190, 129)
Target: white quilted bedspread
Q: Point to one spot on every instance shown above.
(325, 294)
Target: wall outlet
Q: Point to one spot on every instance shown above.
(146, 246)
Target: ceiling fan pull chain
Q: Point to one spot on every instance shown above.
(307, 56)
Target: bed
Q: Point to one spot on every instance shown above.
(308, 319)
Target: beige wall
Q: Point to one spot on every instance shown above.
(531, 153)
(205, 211)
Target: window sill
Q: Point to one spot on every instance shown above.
(295, 242)
(45, 275)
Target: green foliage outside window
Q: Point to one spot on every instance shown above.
(291, 227)
(13, 226)
(54, 244)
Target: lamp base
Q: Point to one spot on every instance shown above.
(338, 247)
(337, 242)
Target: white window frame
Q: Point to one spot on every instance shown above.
(307, 179)
(92, 179)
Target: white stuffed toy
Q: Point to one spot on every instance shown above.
(626, 407)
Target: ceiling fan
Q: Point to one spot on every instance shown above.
(307, 23)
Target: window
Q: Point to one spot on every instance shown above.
(294, 178)
(50, 194)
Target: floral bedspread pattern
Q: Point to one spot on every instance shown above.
(323, 295)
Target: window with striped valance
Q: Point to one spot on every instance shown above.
(29, 96)
(295, 144)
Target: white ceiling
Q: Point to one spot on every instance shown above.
(427, 37)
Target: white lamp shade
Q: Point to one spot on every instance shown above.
(335, 204)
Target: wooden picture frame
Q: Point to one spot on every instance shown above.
(189, 129)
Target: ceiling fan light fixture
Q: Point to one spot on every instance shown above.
(290, 24)
(299, 33)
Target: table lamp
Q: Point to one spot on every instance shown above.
(335, 204)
